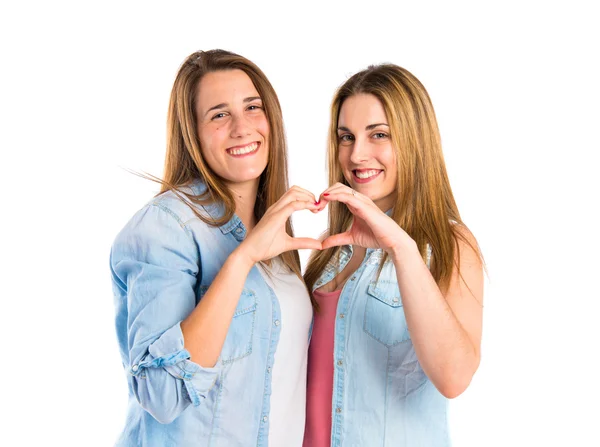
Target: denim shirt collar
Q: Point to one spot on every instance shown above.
(338, 261)
(215, 210)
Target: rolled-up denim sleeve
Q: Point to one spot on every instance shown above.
(154, 262)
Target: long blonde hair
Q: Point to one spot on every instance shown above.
(184, 162)
(425, 206)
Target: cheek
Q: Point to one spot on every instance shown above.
(343, 162)
(389, 161)
(393, 177)
(211, 141)
(392, 173)
(262, 126)
(343, 157)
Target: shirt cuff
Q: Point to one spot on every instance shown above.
(168, 352)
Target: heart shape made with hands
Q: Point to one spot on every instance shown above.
(358, 234)
(371, 227)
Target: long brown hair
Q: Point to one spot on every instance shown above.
(425, 206)
(184, 162)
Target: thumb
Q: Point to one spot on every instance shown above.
(337, 240)
(297, 243)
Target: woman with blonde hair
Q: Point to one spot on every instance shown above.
(212, 315)
(398, 286)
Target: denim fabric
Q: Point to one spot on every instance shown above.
(162, 263)
(381, 396)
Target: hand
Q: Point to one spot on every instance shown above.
(371, 227)
(269, 238)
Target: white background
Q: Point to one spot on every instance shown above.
(83, 94)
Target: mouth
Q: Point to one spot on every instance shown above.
(243, 151)
(365, 175)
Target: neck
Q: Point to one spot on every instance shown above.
(244, 195)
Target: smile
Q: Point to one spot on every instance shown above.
(243, 151)
(365, 175)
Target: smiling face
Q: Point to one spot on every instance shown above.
(365, 150)
(232, 126)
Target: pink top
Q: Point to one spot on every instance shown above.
(319, 390)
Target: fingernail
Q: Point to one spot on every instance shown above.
(326, 194)
(316, 203)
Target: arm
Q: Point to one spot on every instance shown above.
(205, 329)
(154, 266)
(174, 345)
(445, 329)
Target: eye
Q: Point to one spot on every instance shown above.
(254, 107)
(219, 115)
(380, 135)
(346, 138)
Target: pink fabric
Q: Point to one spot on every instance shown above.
(320, 372)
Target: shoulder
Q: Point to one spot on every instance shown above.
(178, 204)
(163, 220)
(470, 263)
(465, 239)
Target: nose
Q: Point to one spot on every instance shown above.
(239, 126)
(360, 152)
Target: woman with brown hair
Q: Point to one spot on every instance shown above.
(212, 315)
(399, 284)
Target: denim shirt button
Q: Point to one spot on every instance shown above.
(340, 362)
(276, 322)
(238, 231)
(135, 368)
(265, 419)
(342, 315)
(269, 370)
(338, 410)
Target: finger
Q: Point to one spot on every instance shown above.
(302, 190)
(298, 243)
(337, 186)
(337, 239)
(340, 188)
(357, 203)
(297, 191)
(322, 203)
(297, 205)
(291, 196)
(333, 187)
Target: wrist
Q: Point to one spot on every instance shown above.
(404, 250)
(241, 258)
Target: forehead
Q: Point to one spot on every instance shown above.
(224, 86)
(360, 109)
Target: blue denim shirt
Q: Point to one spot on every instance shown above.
(162, 263)
(381, 396)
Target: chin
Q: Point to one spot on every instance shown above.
(246, 177)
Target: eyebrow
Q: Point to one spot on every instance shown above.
(369, 127)
(224, 104)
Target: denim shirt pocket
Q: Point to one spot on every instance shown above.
(384, 314)
(238, 343)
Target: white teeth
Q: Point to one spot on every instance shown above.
(244, 150)
(367, 174)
